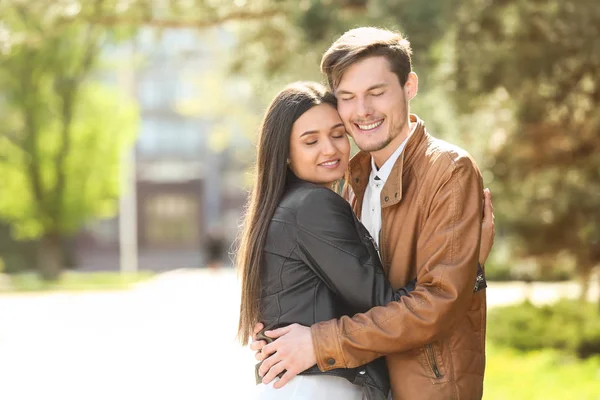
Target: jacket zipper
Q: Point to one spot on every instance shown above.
(432, 361)
(478, 282)
(381, 255)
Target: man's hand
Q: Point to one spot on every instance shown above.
(292, 351)
(257, 345)
(488, 229)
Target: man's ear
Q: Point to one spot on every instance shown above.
(411, 87)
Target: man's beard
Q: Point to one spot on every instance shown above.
(371, 147)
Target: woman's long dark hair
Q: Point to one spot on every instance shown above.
(269, 185)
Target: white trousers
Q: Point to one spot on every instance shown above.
(313, 387)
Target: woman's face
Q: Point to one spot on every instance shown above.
(319, 146)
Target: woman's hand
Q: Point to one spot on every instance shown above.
(488, 229)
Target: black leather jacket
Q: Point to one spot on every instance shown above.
(320, 264)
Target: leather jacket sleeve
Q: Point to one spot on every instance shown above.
(446, 275)
(339, 250)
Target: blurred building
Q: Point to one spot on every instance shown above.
(183, 185)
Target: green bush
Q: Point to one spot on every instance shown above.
(540, 374)
(568, 325)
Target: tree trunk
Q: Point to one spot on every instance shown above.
(68, 253)
(51, 257)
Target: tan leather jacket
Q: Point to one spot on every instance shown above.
(434, 338)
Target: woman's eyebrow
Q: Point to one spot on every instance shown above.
(309, 132)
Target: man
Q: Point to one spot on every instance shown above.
(421, 199)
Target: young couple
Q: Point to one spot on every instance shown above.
(342, 308)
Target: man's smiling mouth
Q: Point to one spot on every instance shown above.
(369, 127)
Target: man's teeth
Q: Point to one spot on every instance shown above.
(328, 163)
(370, 126)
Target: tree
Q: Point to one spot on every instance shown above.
(62, 136)
(533, 66)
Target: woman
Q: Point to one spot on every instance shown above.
(304, 257)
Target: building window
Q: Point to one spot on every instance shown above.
(171, 221)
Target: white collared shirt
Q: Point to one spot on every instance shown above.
(371, 207)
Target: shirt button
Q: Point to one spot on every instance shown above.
(331, 361)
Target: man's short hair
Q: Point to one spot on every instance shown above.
(360, 43)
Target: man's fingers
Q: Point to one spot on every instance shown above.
(268, 363)
(288, 376)
(257, 345)
(273, 372)
(279, 332)
(269, 349)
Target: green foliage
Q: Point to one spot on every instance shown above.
(503, 266)
(64, 134)
(530, 68)
(570, 326)
(289, 46)
(539, 375)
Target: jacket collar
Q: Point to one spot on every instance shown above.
(360, 167)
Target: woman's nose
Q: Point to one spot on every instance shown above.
(328, 148)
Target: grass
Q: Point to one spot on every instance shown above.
(76, 281)
(544, 374)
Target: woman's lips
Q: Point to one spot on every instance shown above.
(330, 164)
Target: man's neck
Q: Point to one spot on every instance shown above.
(381, 156)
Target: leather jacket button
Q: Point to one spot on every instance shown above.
(386, 198)
(331, 361)
(362, 372)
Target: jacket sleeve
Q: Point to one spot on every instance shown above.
(446, 257)
(330, 243)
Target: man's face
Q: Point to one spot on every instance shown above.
(374, 106)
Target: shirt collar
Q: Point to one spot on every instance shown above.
(386, 168)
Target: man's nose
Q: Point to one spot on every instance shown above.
(363, 108)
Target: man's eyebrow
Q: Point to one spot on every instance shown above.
(373, 87)
(377, 86)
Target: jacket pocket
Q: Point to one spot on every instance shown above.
(433, 364)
